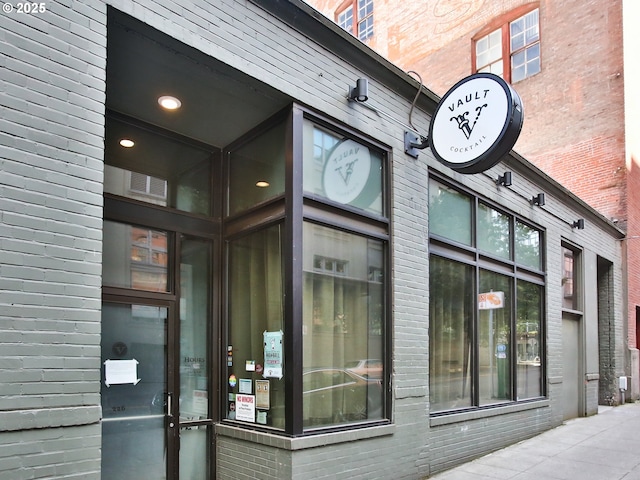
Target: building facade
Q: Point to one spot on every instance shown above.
(218, 261)
(578, 91)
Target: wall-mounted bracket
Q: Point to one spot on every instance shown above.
(414, 142)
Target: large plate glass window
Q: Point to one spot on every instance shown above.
(342, 327)
(486, 316)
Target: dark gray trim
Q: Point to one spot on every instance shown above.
(312, 24)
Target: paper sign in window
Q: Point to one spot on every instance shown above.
(120, 372)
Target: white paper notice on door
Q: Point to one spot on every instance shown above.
(119, 372)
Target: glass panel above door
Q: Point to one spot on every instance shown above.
(134, 257)
(157, 169)
(256, 170)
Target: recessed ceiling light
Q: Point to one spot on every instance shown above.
(169, 103)
(262, 184)
(127, 143)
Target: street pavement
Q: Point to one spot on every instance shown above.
(605, 446)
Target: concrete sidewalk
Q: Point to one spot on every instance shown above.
(605, 446)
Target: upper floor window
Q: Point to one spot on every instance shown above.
(356, 17)
(511, 50)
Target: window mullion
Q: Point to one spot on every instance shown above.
(506, 53)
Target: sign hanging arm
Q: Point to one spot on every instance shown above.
(414, 141)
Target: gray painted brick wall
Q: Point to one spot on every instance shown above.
(51, 144)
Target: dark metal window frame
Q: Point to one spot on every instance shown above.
(293, 209)
(470, 255)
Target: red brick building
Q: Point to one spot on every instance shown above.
(574, 66)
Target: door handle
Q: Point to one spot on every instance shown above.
(170, 408)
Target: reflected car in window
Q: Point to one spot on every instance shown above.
(367, 368)
(333, 396)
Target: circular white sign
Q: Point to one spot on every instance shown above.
(347, 171)
(476, 123)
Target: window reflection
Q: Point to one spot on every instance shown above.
(259, 160)
(528, 326)
(449, 213)
(451, 310)
(342, 170)
(343, 315)
(135, 257)
(569, 295)
(494, 332)
(158, 169)
(528, 246)
(493, 232)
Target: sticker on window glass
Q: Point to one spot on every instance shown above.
(245, 385)
(245, 408)
(272, 354)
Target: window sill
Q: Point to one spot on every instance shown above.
(301, 443)
(488, 412)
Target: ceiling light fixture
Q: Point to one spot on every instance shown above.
(262, 184)
(127, 143)
(169, 103)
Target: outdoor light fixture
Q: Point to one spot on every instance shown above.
(579, 224)
(360, 93)
(504, 180)
(169, 103)
(127, 143)
(538, 200)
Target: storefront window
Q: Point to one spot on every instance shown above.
(255, 363)
(256, 170)
(494, 338)
(343, 317)
(451, 310)
(342, 170)
(528, 328)
(485, 340)
(449, 213)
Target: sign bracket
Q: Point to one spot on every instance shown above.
(414, 142)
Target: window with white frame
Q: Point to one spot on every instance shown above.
(356, 17)
(512, 49)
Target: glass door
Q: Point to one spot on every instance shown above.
(156, 325)
(137, 404)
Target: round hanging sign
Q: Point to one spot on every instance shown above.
(476, 123)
